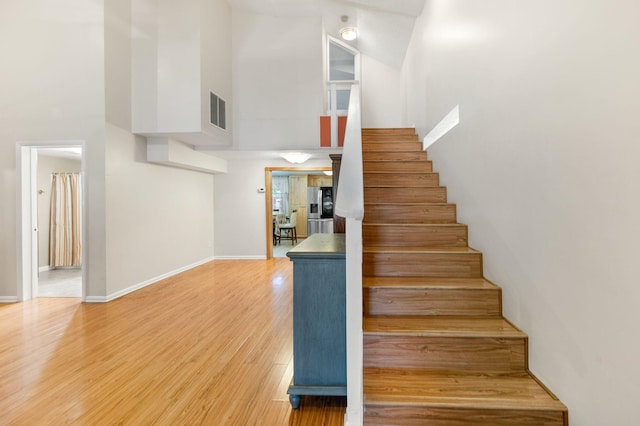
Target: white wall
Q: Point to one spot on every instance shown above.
(166, 66)
(159, 219)
(52, 88)
(240, 211)
(381, 94)
(181, 51)
(544, 169)
(215, 62)
(118, 69)
(46, 166)
(278, 86)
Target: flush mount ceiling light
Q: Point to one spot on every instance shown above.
(348, 33)
(296, 157)
(328, 172)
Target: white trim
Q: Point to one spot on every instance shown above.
(240, 257)
(44, 268)
(26, 205)
(131, 289)
(8, 299)
(451, 120)
(355, 393)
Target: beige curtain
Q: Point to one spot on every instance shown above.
(65, 230)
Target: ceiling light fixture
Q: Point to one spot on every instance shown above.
(296, 157)
(348, 33)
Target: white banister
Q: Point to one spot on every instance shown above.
(350, 205)
(350, 199)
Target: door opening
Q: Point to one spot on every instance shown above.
(51, 171)
(299, 205)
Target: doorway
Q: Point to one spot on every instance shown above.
(51, 220)
(269, 192)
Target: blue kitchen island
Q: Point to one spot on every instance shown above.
(319, 312)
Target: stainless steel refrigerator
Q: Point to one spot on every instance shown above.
(319, 210)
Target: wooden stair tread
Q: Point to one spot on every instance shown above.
(412, 204)
(386, 161)
(390, 138)
(386, 130)
(428, 283)
(409, 249)
(403, 172)
(415, 225)
(444, 326)
(391, 146)
(392, 152)
(415, 186)
(471, 390)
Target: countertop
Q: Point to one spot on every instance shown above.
(319, 246)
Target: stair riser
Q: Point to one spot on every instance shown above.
(391, 146)
(445, 353)
(394, 156)
(402, 180)
(389, 138)
(410, 213)
(374, 195)
(397, 167)
(417, 236)
(416, 301)
(456, 265)
(410, 415)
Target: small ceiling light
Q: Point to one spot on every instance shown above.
(328, 172)
(348, 33)
(296, 157)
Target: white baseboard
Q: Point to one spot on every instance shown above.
(131, 289)
(240, 257)
(8, 299)
(44, 268)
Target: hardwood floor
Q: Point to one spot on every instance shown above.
(209, 346)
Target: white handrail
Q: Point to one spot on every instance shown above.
(350, 199)
(350, 205)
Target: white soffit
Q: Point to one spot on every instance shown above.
(170, 152)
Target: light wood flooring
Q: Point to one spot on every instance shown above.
(211, 346)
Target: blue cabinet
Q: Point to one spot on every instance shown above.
(319, 312)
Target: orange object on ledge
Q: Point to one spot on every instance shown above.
(325, 130)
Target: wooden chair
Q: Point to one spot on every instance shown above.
(276, 233)
(277, 220)
(289, 228)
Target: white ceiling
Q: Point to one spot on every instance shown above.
(384, 26)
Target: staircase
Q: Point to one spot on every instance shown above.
(437, 350)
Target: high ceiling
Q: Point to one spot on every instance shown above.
(384, 26)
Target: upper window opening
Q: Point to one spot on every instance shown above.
(342, 63)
